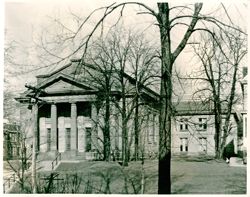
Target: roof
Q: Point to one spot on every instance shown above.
(192, 107)
(70, 73)
(196, 108)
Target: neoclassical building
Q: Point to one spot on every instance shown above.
(71, 114)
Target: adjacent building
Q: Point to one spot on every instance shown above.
(11, 141)
(193, 129)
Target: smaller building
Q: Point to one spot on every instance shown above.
(11, 141)
(194, 130)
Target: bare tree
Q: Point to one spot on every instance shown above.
(220, 56)
(112, 57)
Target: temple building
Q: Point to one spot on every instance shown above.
(71, 111)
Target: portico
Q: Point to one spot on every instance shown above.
(66, 127)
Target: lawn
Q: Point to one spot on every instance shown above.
(207, 177)
(188, 177)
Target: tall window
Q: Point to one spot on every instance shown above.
(155, 128)
(184, 145)
(68, 139)
(88, 140)
(203, 144)
(202, 125)
(48, 139)
(183, 125)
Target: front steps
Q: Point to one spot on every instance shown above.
(236, 162)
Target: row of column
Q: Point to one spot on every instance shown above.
(73, 127)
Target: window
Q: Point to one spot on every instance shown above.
(184, 125)
(202, 125)
(10, 152)
(203, 144)
(68, 139)
(184, 145)
(48, 139)
(18, 151)
(88, 140)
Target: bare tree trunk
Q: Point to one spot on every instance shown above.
(107, 120)
(217, 117)
(164, 180)
(107, 130)
(226, 128)
(136, 124)
(168, 58)
(124, 135)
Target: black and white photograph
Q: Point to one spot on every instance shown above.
(125, 97)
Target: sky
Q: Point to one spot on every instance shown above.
(25, 19)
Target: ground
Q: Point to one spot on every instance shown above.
(208, 177)
(189, 176)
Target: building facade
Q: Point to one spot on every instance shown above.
(193, 130)
(11, 141)
(71, 112)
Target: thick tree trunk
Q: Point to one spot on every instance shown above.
(226, 128)
(217, 121)
(124, 125)
(164, 180)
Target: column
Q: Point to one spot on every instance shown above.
(95, 127)
(53, 127)
(81, 134)
(61, 134)
(74, 135)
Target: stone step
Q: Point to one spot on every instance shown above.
(236, 161)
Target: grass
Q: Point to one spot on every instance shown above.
(208, 177)
(188, 177)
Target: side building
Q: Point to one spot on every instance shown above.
(194, 130)
(11, 141)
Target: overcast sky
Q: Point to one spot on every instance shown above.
(26, 18)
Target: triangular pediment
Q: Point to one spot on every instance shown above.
(63, 84)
